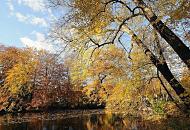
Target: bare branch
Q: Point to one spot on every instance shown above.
(119, 39)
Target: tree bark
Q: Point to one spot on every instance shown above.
(171, 38)
(162, 67)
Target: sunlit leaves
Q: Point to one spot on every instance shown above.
(90, 15)
(186, 78)
(20, 75)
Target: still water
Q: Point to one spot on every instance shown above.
(86, 120)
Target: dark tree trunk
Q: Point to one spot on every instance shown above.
(171, 38)
(163, 68)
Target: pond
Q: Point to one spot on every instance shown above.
(86, 120)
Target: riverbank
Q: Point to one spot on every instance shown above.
(18, 105)
(66, 113)
(52, 110)
(97, 119)
(171, 111)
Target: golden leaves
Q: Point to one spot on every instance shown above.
(182, 11)
(20, 74)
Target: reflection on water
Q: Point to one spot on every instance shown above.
(86, 120)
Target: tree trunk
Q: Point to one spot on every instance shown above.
(162, 67)
(171, 38)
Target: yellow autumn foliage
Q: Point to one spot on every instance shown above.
(20, 75)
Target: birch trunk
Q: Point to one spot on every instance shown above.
(162, 67)
(171, 38)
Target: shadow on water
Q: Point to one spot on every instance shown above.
(86, 120)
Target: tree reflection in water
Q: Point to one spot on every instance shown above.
(87, 121)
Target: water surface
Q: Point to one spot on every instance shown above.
(87, 120)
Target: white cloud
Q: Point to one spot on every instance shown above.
(51, 15)
(31, 19)
(39, 42)
(39, 21)
(35, 5)
(10, 6)
(21, 17)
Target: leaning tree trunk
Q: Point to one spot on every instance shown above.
(171, 38)
(162, 67)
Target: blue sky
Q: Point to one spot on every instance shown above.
(24, 23)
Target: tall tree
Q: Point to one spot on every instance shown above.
(171, 38)
(95, 26)
(162, 66)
